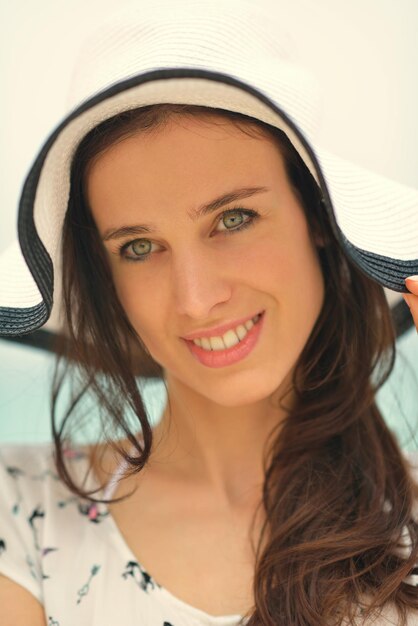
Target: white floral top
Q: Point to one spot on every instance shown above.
(70, 554)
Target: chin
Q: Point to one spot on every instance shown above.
(243, 393)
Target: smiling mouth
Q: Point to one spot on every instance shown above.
(220, 355)
(229, 339)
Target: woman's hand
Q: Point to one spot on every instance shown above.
(412, 298)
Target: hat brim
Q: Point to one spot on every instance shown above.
(374, 219)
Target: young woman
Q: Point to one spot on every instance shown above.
(199, 244)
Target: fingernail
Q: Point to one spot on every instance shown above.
(414, 278)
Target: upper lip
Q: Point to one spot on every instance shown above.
(218, 331)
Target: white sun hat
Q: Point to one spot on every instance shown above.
(226, 54)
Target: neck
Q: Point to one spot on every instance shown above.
(215, 447)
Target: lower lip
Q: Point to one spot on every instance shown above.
(229, 356)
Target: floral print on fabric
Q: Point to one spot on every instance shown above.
(64, 550)
(70, 554)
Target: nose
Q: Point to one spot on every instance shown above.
(199, 283)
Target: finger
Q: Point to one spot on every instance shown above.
(412, 284)
(412, 298)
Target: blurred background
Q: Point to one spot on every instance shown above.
(365, 57)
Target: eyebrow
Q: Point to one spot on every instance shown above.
(195, 214)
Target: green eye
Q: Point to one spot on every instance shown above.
(137, 250)
(233, 219)
(234, 222)
(140, 247)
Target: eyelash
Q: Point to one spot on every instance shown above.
(253, 215)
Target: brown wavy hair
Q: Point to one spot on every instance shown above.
(337, 490)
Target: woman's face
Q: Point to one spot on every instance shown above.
(177, 272)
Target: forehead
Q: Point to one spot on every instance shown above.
(185, 162)
(205, 136)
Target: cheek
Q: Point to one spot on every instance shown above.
(139, 301)
(143, 309)
(288, 268)
(301, 273)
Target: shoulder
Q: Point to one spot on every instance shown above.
(30, 483)
(24, 471)
(41, 519)
(28, 471)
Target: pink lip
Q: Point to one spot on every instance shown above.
(229, 356)
(218, 330)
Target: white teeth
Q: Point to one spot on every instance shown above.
(248, 325)
(229, 339)
(241, 331)
(216, 343)
(205, 343)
